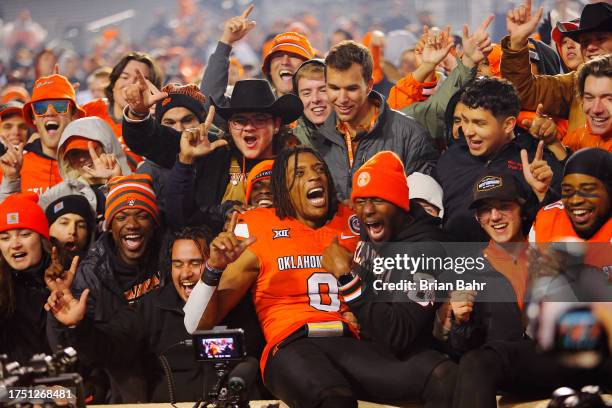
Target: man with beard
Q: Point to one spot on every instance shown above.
(584, 209)
(122, 267)
(312, 357)
(401, 322)
(52, 108)
(156, 326)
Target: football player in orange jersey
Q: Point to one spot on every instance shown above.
(313, 357)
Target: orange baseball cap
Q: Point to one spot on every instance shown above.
(11, 93)
(51, 87)
(290, 41)
(77, 143)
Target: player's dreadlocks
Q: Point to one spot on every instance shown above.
(280, 189)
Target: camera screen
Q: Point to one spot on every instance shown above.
(219, 346)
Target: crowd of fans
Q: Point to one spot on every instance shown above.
(139, 203)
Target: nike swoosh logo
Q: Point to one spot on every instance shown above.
(342, 236)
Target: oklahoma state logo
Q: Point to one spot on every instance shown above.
(282, 233)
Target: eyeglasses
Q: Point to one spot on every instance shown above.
(373, 200)
(258, 121)
(584, 192)
(58, 105)
(483, 214)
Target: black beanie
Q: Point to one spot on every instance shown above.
(592, 162)
(181, 96)
(72, 204)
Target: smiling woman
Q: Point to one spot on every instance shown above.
(24, 256)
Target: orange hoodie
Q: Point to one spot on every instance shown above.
(39, 171)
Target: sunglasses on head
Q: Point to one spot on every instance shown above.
(58, 105)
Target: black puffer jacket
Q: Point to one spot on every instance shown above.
(25, 332)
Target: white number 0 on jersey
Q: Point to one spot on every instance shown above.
(315, 282)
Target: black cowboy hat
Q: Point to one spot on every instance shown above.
(255, 95)
(594, 17)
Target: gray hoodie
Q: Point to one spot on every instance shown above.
(95, 129)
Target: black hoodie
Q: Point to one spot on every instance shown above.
(404, 326)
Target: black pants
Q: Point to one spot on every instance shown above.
(516, 368)
(337, 371)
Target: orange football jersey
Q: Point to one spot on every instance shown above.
(292, 288)
(552, 224)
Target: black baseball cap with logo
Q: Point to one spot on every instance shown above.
(497, 186)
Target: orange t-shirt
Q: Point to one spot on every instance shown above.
(552, 224)
(292, 288)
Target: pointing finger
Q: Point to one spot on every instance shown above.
(540, 151)
(92, 152)
(538, 13)
(525, 162)
(485, 24)
(246, 12)
(233, 222)
(73, 266)
(142, 81)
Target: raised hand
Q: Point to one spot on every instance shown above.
(521, 23)
(105, 165)
(337, 259)
(226, 248)
(142, 95)
(462, 304)
(237, 27)
(538, 173)
(56, 277)
(542, 126)
(437, 46)
(66, 309)
(11, 161)
(477, 45)
(195, 143)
